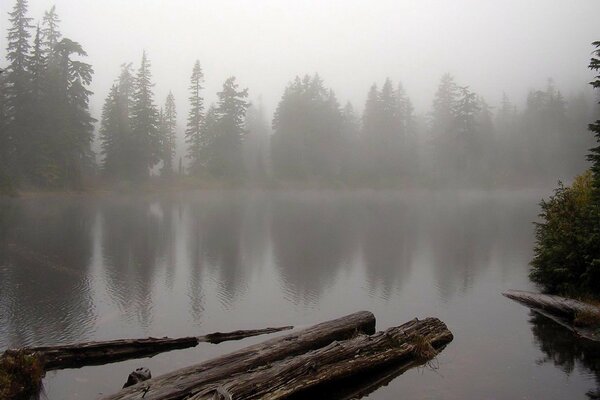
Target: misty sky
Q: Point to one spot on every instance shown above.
(492, 46)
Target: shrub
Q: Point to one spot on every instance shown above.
(566, 257)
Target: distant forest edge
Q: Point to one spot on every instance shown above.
(47, 133)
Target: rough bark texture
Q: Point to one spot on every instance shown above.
(561, 310)
(185, 382)
(414, 341)
(97, 353)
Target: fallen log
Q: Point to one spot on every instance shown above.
(187, 381)
(583, 319)
(416, 340)
(104, 352)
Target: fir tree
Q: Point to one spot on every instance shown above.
(193, 133)
(145, 151)
(18, 79)
(594, 156)
(110, 133)
(50, 32)
(168, 132)
(226, 159)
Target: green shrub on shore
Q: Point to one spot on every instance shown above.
(566, 258)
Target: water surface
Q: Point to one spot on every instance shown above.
(83, 268)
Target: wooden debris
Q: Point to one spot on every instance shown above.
(567, 312)
(189, 381)
(104, 352)
(417, 340)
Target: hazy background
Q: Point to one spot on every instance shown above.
(493, 46)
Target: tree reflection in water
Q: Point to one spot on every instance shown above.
(566, 351)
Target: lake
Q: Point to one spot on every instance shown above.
(78, 268)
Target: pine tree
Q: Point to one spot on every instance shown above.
(168, 128)
(74, 157)
(307, 131)
(443, 129)
(256, 143)
(110, 133)
(594, 156)
(193, 133)
(18, 88)
(145, 151)
(50, 33)
(226, 158)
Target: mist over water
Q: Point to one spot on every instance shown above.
(176, 168)
(130, 266)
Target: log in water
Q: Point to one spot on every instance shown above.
(104, 352)
(561, 310)
(188, 381)
(413, 341)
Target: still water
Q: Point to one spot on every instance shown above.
(82, 268)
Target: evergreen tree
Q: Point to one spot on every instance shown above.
(18, 101)
(145, 150)
(226, 159)
(256, 143)
(443, 129)
(168, 132)
(594, 156)
(110, 133)
(307, 131)
(50, 33)
(350, 151)
(193, 133)
(72, 151)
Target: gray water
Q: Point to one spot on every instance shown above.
(86, 268)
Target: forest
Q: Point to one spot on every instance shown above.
(51, 141)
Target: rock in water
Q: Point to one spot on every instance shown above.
(139, 375)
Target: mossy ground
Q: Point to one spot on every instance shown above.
(20, 376)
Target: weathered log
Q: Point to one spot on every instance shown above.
(566, 312)
(418, 340)
(187, 381)
(104, 352)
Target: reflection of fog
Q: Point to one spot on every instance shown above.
(45, 250)
(564, 350)
(312, 236)
(389, 229)
(133, 241)
(220, 247)
(465, 233)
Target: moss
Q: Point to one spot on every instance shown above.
(20, 375)
(587, 319)
(422, 348)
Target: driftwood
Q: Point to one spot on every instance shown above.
(188, 381)
(415, 340)
(98, 353)
(563, 311)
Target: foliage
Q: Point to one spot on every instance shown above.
(45, 128)
(168, 126)
(566, 258)
(567, 252)
(195, 122)
(20, 376)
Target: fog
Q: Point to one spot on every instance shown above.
(494, 47)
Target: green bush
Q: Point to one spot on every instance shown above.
(566, 255)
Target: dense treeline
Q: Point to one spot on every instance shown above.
(46, 130)
(567, 252)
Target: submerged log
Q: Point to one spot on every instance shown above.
(187, 381)
(581, 318)
(413, 341)
(104, 352)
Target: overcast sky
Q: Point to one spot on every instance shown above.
(492, 46)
